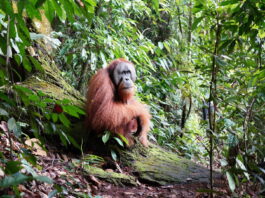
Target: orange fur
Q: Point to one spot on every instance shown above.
(132, 126)
(106, 112)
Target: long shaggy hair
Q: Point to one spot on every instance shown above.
(106, 111)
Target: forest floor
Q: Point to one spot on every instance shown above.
(71, 181)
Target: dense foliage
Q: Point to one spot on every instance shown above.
(200, 66)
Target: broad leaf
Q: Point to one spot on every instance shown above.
(13, 180)
(106, 137)
(113, 155)
(44, 179)
(119, 141)
(231, 181)
(13, 167)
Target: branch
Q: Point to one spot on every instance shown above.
(246, 121)
(212, 97)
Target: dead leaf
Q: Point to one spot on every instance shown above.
(43, 195)
(3, 126)
(2, 174)
(95, 180)
(65, 158)
(34, 144)
(128, 193)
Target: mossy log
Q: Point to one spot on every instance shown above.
(159, 166)
(50, 82)
(153, 165)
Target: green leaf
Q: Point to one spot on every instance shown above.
(34, 98)
(224, 44)
(32, 12)
(167, 47)
(14, 127)
(52, 193)
(49, 11)
(18, 59)
(119, 141)
(71, 110)
(44, 179)
(106, 137)
(242, 166)
(48, 100)
(160, 45)
(23, 27)
(13, 180)
(84, 54)
(123, 139)
(198, 7)
(29, 157)
(20, 6)
(223, 162)
(113, 155)
(3, 112)
(229, 2)
(232, 140)
(231, 46)
(12, 29)
(36, 63)
(73, 142)
(68, 9)
(58, 10)
(196, 22)
(26, 64)
(64, 138)
(6, 6)
(54, 117)
(22, 89)
(64, 120)
(229, 123)
(58, 188)
(13, 167)
(103, 58)
(220, 62)
(155, 4)
(231, 181)
(262, 170)
(91, 2)
(39, 3)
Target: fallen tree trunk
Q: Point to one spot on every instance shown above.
(154, 165)
(50, 82)
(159, 166)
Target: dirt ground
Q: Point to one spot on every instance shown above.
(71, 181)
(193, 190)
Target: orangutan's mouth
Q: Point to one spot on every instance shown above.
(127, 87)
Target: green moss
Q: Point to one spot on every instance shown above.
(50, 82)
(116, 178)
(53, 91)
(156, 165)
